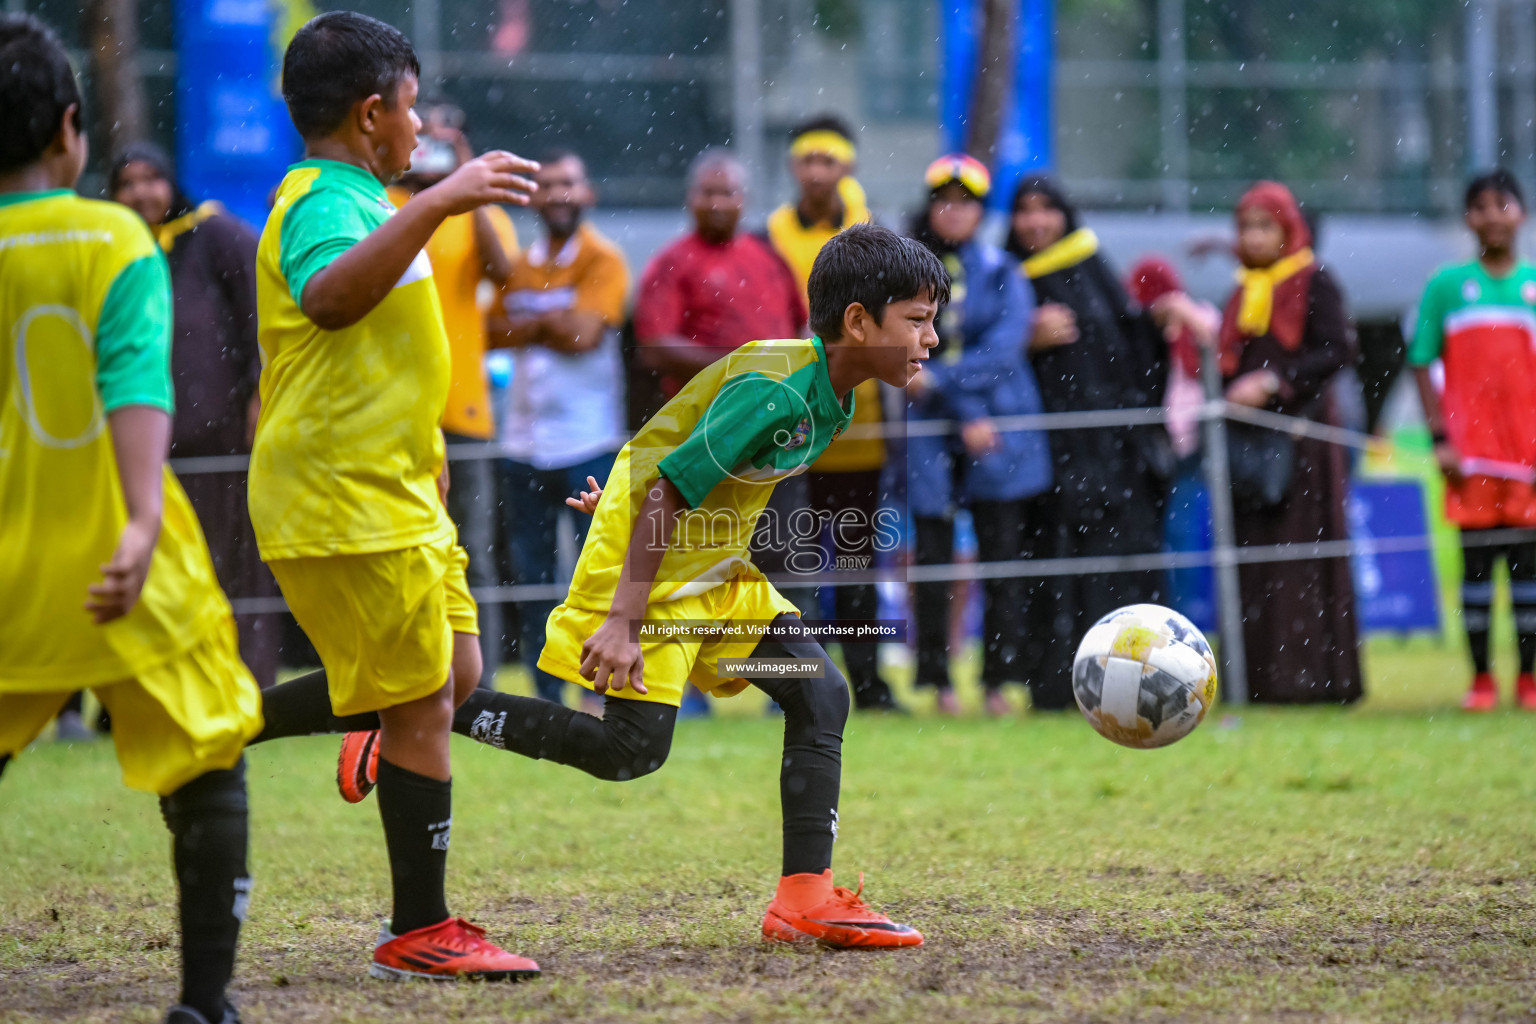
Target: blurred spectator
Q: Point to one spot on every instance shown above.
(715, 288)
(1284, 335)
(561, 311)
(214, 366)
(1186, 527)
(707, 293)
(848, 473)
(977, 372)
(1091, 349)
(466, 251)
(1474, 354)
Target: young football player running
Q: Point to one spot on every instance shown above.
(92, 517)
(668, 551)
(348, 454)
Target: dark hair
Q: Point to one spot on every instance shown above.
(37, 86)
(555, 154)
(874, 267)
(1042, 185)
(1496, 180)
(822, 123)
(339, 59)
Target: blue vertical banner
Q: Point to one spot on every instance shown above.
(1026, 142)
(233, 136)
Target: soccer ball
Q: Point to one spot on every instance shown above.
(1144, 676)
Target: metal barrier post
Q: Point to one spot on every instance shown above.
(1229, 602)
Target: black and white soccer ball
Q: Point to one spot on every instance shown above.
(1144, 676)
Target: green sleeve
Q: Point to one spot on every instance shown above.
(1429, 335)
(740, 423)
(133, 337)
(317, 228)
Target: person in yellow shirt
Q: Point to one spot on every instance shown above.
(469, 252)
(846, 480)
(105, 578)
(346, 468)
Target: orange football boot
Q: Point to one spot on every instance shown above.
(1525, 691)
(810, 908)
(446, 951)
(357, 767)
(1484, 694)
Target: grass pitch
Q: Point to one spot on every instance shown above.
(1368, 864)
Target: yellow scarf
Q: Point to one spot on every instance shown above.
(167, 233)
(1065, 252)
(1258, 286)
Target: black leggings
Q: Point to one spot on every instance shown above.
(1477, 595)
(634, 737)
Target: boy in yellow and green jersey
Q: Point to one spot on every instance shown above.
(105, 579)
(348, 456)
(665, 591)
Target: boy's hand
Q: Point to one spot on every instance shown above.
(493, 177)
(1450, 461)
(122, 579)
(610, 659)
(588, 501)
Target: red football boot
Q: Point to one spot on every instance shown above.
(1525, 691)
(810, 908)
(446, 951)
(1484, 694)
(357, 767)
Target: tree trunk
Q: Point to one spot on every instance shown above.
(112, 32)
(994, 78)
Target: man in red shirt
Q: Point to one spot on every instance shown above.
(716, 288)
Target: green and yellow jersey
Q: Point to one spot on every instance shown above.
(762, 413)
(348, 448)
(85, 309)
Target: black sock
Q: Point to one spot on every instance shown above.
(417, 813)
(810, 774)
(302, 707)
(207, 819)
(631, 740)
(1523, 593)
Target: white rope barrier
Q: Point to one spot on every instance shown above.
(1088, 419)
(1211, 409)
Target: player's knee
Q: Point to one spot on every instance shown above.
(823, 701)
(219, 793)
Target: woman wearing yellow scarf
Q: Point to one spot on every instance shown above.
(1284, 336)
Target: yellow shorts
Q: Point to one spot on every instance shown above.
(378, 621)
(181, 719)
(669, 664)
(463, 613)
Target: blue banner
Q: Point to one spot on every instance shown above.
(1026, 142)
(233, 136)
(1394, 592)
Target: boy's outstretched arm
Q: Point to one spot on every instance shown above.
(611, 658)
(141, 436)
(359, 279)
